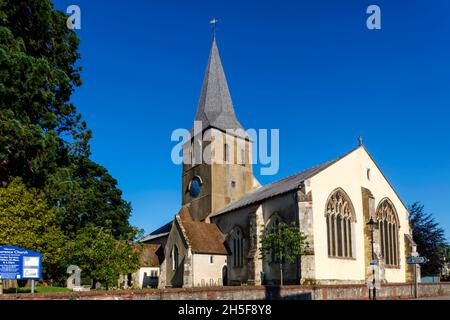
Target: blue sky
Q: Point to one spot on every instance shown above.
(310, 68)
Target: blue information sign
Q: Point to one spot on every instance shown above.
(20, 264)
(416, 260)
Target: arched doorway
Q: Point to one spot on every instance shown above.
(225, 276)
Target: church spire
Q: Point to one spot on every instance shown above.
(215, 108)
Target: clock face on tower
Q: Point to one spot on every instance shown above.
(195, 187)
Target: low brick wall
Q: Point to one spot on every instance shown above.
(307, 292)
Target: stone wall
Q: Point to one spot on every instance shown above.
(218, 189)
(305, 218)
(182, 275)
(252, 219)
(338, 292)
(256, 221)
(207, 269)
(368, 205)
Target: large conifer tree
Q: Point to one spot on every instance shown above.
(43, 139)
(430, 239)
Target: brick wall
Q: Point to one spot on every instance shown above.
(332, 292)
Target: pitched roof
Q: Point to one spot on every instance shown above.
(151, 255)
(215, 108)
(158, 233)
(278, 187)
(201, 237)
(387, 180)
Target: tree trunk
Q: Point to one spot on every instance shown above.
(1, 286)
(281, 274)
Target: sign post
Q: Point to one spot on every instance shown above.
(415, 261)
(20, 264)
(373, 282)
(416, 294)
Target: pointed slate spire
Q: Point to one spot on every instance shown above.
(215, 108)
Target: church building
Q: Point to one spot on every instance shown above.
(214, 239)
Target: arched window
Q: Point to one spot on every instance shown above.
(340, 217)
(236, 243)
(388, 232)
(175, 258)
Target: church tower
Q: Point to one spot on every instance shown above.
(217, 164)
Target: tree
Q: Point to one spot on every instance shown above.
(283, 242)
(27, 221)
(43, 139)
(430, 239)
(39, 126)
(102, 257)
(445, 275)
(86, 194)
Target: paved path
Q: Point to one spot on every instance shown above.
(436, 298)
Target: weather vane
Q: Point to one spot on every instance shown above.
(214, 23)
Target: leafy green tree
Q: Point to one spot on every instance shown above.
(43, 139)
(101, 257)
(283, 242)
(430, 239)
(87, 194)
(27, 221)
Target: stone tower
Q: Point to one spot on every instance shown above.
(217, 166)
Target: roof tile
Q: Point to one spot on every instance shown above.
(215, 108)
(202, 237)
(277, 188)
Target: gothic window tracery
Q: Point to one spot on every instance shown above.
(340, 217)
(388, 233)
(236, 242)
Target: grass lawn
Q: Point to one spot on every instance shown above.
(51, 289)
(37, 290)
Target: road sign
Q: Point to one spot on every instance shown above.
(20, 264)
(417, 260)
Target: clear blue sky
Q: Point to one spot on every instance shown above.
(310, 68)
